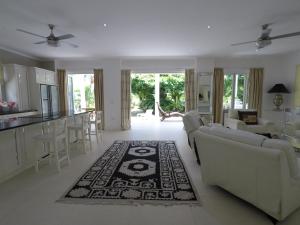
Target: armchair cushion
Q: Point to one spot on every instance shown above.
(249, 117)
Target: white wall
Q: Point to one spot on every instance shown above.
(275, 68)
(159, 65)
(274, 72)
(112, 78)
(7, 57)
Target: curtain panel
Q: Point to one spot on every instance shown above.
(256, 79)
(189, 90)
(62, 85)
(218, 92)
(125, 99)
(98, 92)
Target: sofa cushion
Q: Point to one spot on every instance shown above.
(235, 135)
(289, 152)
(249, 117)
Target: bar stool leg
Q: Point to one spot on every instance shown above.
(56, 155)
(97, 132)
(67, 150)
(83, 140)
(49, 152)
(36, 166)
(89, 134)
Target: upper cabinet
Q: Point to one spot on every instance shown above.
(43, 76)
(16, 85)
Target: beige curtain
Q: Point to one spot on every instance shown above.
(189, 88)
(256, 79)
(62, 84)
(98, 91)
(125, 99)
(218, 92)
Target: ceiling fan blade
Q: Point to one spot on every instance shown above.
(243, 43)
(285, 35)
(40, 42)
(66, 36)
(27, 32)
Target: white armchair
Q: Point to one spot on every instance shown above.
(263, 126)
(293, 129)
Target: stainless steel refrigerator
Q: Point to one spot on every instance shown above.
(50, 100)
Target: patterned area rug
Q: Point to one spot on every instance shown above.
(130, 172)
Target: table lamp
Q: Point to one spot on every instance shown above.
(278, 89)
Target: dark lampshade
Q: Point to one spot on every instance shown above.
(278, 88)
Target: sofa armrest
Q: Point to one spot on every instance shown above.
(234, 123)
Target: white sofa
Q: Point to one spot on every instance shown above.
(232, 121)
(192, 122)
(265, 172)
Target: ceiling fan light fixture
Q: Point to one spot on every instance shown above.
(262, 43)
(53, 43)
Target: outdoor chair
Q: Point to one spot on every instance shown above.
(165, 115)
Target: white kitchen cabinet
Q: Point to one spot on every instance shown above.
(40, 75)
(16, 85)
(10, 158)
(50, 78)
(43, 76)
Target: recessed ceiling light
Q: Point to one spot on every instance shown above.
(208, 27)
(105, 24)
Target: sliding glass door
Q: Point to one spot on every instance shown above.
(235, 91)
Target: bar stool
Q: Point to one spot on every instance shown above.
(55, 141)
(96, 120)
(81, 125)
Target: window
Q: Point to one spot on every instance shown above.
(81, 87)
(235, 91)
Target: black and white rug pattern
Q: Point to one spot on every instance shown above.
(132, 172)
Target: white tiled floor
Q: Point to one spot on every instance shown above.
(29, 198)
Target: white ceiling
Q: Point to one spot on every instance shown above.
(148, 27)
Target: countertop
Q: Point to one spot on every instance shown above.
(12, 123)
(2, 113)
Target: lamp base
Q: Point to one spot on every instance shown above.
(277, 101)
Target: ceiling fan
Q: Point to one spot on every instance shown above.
(265, 39)
(51, 40)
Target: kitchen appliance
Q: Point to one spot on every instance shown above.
(49, 100)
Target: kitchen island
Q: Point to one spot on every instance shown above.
(17, 147)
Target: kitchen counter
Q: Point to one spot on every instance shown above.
(16, 122)
(14, 114)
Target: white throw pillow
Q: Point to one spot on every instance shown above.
(191, 121)
(289, 152)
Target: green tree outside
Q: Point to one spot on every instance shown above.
(171, 92)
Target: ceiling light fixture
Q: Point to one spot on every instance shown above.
(105, 25)
(208, 27)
